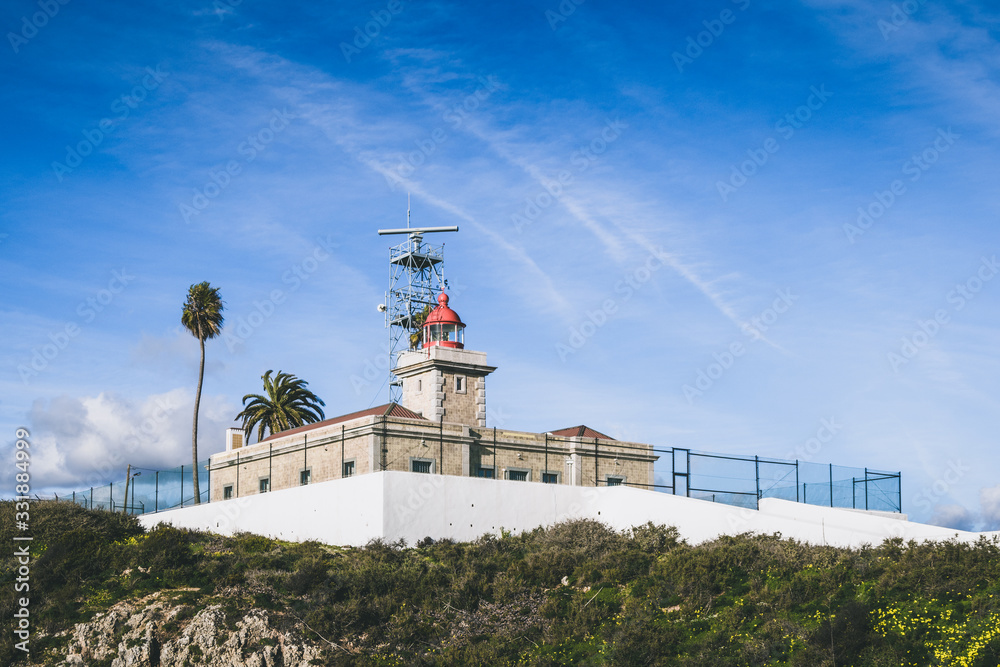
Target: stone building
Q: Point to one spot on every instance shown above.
(439, 429)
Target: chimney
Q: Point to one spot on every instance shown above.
(234, 439)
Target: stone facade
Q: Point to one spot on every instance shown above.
(446, 386)
(444, 382)
(374, 443)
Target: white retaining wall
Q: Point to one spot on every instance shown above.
(411, 506)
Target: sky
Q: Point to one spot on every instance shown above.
(737, 226)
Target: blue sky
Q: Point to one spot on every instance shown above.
(811, 185)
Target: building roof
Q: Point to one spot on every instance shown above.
(581, 432)
(387, 410)
(442, 314)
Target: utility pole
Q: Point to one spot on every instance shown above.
(128, 478)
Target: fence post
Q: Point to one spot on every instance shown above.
(756, 474)
(687, 469)
(831, 485)
(156, 494)
(804, 494)
(899, 487)
(91, 497)
(866, 488)
(673, 472)
(854, 493)
(182, 485)
(384, 448)
(796, 480)
(111, 494)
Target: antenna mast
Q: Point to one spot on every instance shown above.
(416, 276)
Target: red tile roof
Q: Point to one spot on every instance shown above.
(581, 432)
(387, 410)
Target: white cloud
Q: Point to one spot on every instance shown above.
(952, 516)
(83, 442)
(175, 347)
(989, 498)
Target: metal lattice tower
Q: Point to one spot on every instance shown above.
(416, 277)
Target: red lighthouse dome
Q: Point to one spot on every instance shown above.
(443, 326)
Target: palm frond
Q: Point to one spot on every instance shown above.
(285, 404)
(202, 313)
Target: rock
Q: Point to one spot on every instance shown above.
(132, 634)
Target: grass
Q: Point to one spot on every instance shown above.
(641, 598)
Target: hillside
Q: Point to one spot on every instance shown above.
(105, 592)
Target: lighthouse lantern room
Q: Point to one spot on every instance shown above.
(443, 326)
(442, 380)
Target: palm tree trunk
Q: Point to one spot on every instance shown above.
(194, 428)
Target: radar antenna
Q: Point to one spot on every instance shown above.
(416, 277)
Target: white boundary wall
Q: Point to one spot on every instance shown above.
(411, 506)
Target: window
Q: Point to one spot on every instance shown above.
(421, 465)
(227, 492)
(486, 472)
(459, 384)
(265, 484)
(305, 476)
(348, 469)
(550, 478)
(420, 385)
(518, 475)
(615, 480)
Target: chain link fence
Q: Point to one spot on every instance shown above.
(734, 480)
(148, 490)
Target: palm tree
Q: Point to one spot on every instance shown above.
(286, 404)
(202, 316)
(417, 326)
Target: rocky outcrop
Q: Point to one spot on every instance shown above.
(158, 632)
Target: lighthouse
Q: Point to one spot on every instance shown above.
(441, 379)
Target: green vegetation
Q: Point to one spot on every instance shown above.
(576, 594)
(202, 316)
(286, 404)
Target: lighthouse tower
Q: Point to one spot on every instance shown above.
(441, 379)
